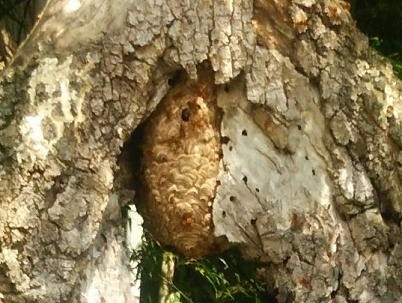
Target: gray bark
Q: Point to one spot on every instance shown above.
(309, 179)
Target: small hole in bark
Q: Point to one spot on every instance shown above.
(175, 79)
(299, 127)
(232, 198)
(226, 88)
(257, 189)
(218, 182)
(253, 221)
(225, 140)
(30, 259)
(245, 179)
(313, 171)
(244, 132)
(185, 114)
(224, 214)
(230, 148)
(306, 157)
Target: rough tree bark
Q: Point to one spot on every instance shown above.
(309, 179)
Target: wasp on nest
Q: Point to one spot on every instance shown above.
(179, 167)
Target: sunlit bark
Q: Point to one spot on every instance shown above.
(309, 179)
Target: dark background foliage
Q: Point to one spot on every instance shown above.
(381, 20)
(17, 17)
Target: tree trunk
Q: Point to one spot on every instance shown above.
(310, 161)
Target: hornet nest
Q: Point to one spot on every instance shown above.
(179, 168)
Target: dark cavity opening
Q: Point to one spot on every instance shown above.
(176, 78)
(185, 114)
